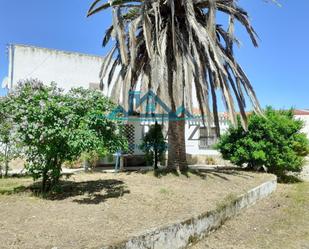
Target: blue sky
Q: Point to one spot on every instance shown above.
(278, 69)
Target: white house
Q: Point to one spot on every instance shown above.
(303, 115)
(71, 69)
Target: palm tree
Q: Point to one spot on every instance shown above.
(172, 47)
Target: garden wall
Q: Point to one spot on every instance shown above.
(181, 234)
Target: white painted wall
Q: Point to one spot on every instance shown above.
(305, 118)
(67, 69)
(192, 142)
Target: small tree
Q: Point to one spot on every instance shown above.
(55, 127)
(8, 143)
(274, 141)
(154, 145)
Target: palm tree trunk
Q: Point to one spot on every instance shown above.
(176, 128)
(177, 146)
(172, 161)
(183, 165)
(173, 143)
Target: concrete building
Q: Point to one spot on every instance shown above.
(67, 69)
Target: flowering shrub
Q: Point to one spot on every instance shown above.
(55, 127)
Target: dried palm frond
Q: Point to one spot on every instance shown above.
(175, 46)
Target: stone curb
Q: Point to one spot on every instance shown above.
(182, 234)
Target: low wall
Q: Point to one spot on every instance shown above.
(180, 235)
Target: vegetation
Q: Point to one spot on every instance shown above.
(175, 46)
(274, 142)
(8, 139)
(154, 145)
(10, 186)
(55, 127)
(210, 161)
(271, 222)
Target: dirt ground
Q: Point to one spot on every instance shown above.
(280, 221)
(101, 208)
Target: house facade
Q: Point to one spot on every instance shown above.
(71, 69)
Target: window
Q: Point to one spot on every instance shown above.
(207, 139)
(129, 131)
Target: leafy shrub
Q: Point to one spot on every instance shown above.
(56, 127)
(9, 148)
(274, 141)
(75, 164)
(154, 145)
(210, 161)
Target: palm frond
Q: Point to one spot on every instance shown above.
(174, 47)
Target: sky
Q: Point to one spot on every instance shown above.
(278, 69)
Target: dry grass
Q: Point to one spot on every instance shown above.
(280, 221)
(10, 186)
(92, 210)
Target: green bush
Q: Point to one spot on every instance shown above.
(273, 141)
(56, 127)
(154, 145)
(9, 148)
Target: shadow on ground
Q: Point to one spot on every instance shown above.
(222, 173)
(87, 192)
(91, 192)
(289, 179)
(204, 173)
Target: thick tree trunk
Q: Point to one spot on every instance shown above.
(183, 165)
(176, 128)
(172, 160)
(177, 146)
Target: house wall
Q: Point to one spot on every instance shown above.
(305, 118)
(70, 69)
(192, 134)
(67, 69)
